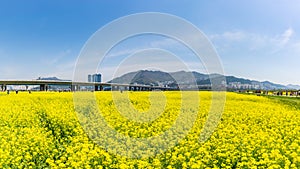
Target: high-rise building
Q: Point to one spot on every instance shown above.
(97, 77)
(90, 78)
(94, 78)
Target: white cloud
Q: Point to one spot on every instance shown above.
(260, 56)
(296, 47)
(56, 58)
(8, 72)
(162, 43)
(165, 43)
(286, 36)
(253, 41)
(237, 35)
(230, 36)
(121, 53)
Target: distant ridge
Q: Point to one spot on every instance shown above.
(159, 78)
(51, 78)
(293, 86)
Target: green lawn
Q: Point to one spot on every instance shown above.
(290, 101)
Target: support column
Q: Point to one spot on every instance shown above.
(43, 87)
(75, 88)
(97, 88)
(3, 87)
(72, 88)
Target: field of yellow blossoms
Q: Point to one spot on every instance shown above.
(42, 130)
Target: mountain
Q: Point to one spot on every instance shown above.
(297, 87)
(187, 79)
(145, 77)
(51, 78)
(270, 85)
(183, 77)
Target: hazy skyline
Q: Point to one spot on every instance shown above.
(255, 40)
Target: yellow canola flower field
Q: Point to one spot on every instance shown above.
(43, 130)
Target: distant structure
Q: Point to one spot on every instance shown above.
(94, 78)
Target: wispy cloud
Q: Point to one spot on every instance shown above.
(63, 70)
(254, 41)
(8, 72)
(56, 58)
(121, 52)
(260, 55)
(286, 36)
(165, 43)
(230, 36)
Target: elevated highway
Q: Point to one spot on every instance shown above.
(75, 86)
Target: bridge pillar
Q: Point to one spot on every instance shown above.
(115, 88)
(43, 87)
(75, 88)
(3, 87)
(98, 87)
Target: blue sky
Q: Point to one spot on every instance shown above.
(254, 39)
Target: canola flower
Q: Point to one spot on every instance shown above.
(42, 130)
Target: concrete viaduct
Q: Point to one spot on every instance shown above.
(75, 86)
